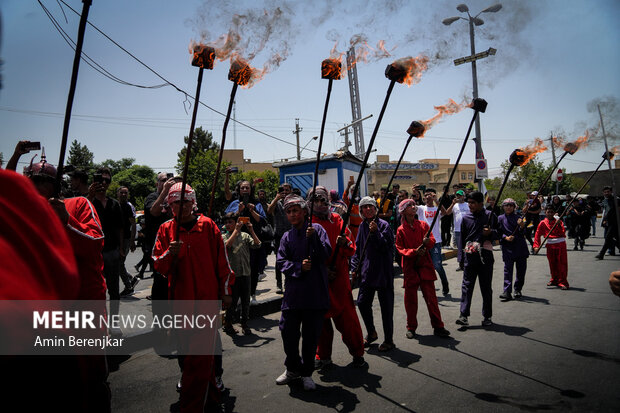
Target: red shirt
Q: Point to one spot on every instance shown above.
(543, 229)
(408, 239)
(201, 271)
(86, 236)
(340, 288)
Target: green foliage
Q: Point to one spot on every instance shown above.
(201, 170)
(116, 166)
(529, 178)
(139, 179)
(270, 184)
(80, 156)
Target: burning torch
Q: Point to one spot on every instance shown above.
(606, 156)
(203, 58)
(405, 70)
(478, 105)
(416, 129)
(331, 69)
(240, 74)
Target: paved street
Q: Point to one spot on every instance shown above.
(552, 350)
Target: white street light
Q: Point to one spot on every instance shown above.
(474, 20)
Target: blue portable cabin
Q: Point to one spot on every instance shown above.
(334, 172)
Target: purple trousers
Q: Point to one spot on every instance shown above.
(509, 264)
(475, 268)
(304, 324)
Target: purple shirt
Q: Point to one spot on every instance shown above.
(304, 290)
(518, 247)
(376, 269)
(471, 229)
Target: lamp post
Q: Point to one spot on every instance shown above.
(474, 21)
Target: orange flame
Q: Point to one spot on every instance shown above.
(407, 70)
(448, 109)
(331, 69)
(615, 150)
(363, 52)
(572, 147)
(202, 55)
(242, 73)
(522, 156)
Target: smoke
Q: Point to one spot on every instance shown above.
(610, 112)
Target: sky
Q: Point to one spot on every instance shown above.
(553, 57)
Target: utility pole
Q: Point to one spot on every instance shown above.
(557, 184)
(611, 171)
(356, 108)
(296, 132)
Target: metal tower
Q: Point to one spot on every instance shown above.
(356, 109)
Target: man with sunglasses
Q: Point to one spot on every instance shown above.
(111, 216)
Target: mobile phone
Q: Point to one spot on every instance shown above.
(32, 146)
(98, 178)
(244, 220)
(422, 188)
(280, 189)
(234, 169)
(169, 175)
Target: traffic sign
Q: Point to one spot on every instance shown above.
(560, 175)
(481, 169)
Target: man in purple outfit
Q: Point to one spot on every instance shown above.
(511, 228)
(478, 230)
(302, 258)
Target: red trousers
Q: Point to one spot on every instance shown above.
(411, 304)
(558, 263)
(348, 324)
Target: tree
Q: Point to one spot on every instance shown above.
(270, 178)
(139, 179)
(116, 166)
(201, 170)
(80, 156)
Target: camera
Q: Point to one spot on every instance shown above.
(98, 178)
(234, 169)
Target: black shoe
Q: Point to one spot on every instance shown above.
(446, 293)
(505, 296)
(599, 256)
(518, 295)
(359, 362)
(134, 282)
(126, 292)
(462, 321)
(575, 248)
(441, 332)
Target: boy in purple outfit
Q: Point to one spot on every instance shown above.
(511, 228)
(376, 271)
(302, 258)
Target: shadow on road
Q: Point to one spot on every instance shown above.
(400, 357)
(500, 328)
(333, 397)
(582, 353)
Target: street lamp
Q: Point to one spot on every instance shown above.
(304, 147)
(474, 21)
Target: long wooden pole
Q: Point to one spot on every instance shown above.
(74, 76)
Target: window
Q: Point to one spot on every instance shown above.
(463, 176)
(470, 176)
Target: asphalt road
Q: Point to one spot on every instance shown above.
(552, 350)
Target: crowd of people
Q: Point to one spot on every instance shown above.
(325, 243)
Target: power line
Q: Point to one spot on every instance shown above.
(186, 94)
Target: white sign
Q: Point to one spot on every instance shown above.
(557, 176)
(481, 169)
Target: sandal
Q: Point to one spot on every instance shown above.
(385, 346)
(370, 339)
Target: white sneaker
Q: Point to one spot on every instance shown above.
(288, 377)
(262, 276)
(253, 301)
(308, 383)
(219, 383)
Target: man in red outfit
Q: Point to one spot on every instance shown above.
(197, 269)
(341, 306)
(556, 248)
(418, 269)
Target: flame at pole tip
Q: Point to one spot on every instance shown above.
(243, 74)
(407, 70)
(449, 108)
(522, 156)
(203, 56)
(331, 69)
(571, 147)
